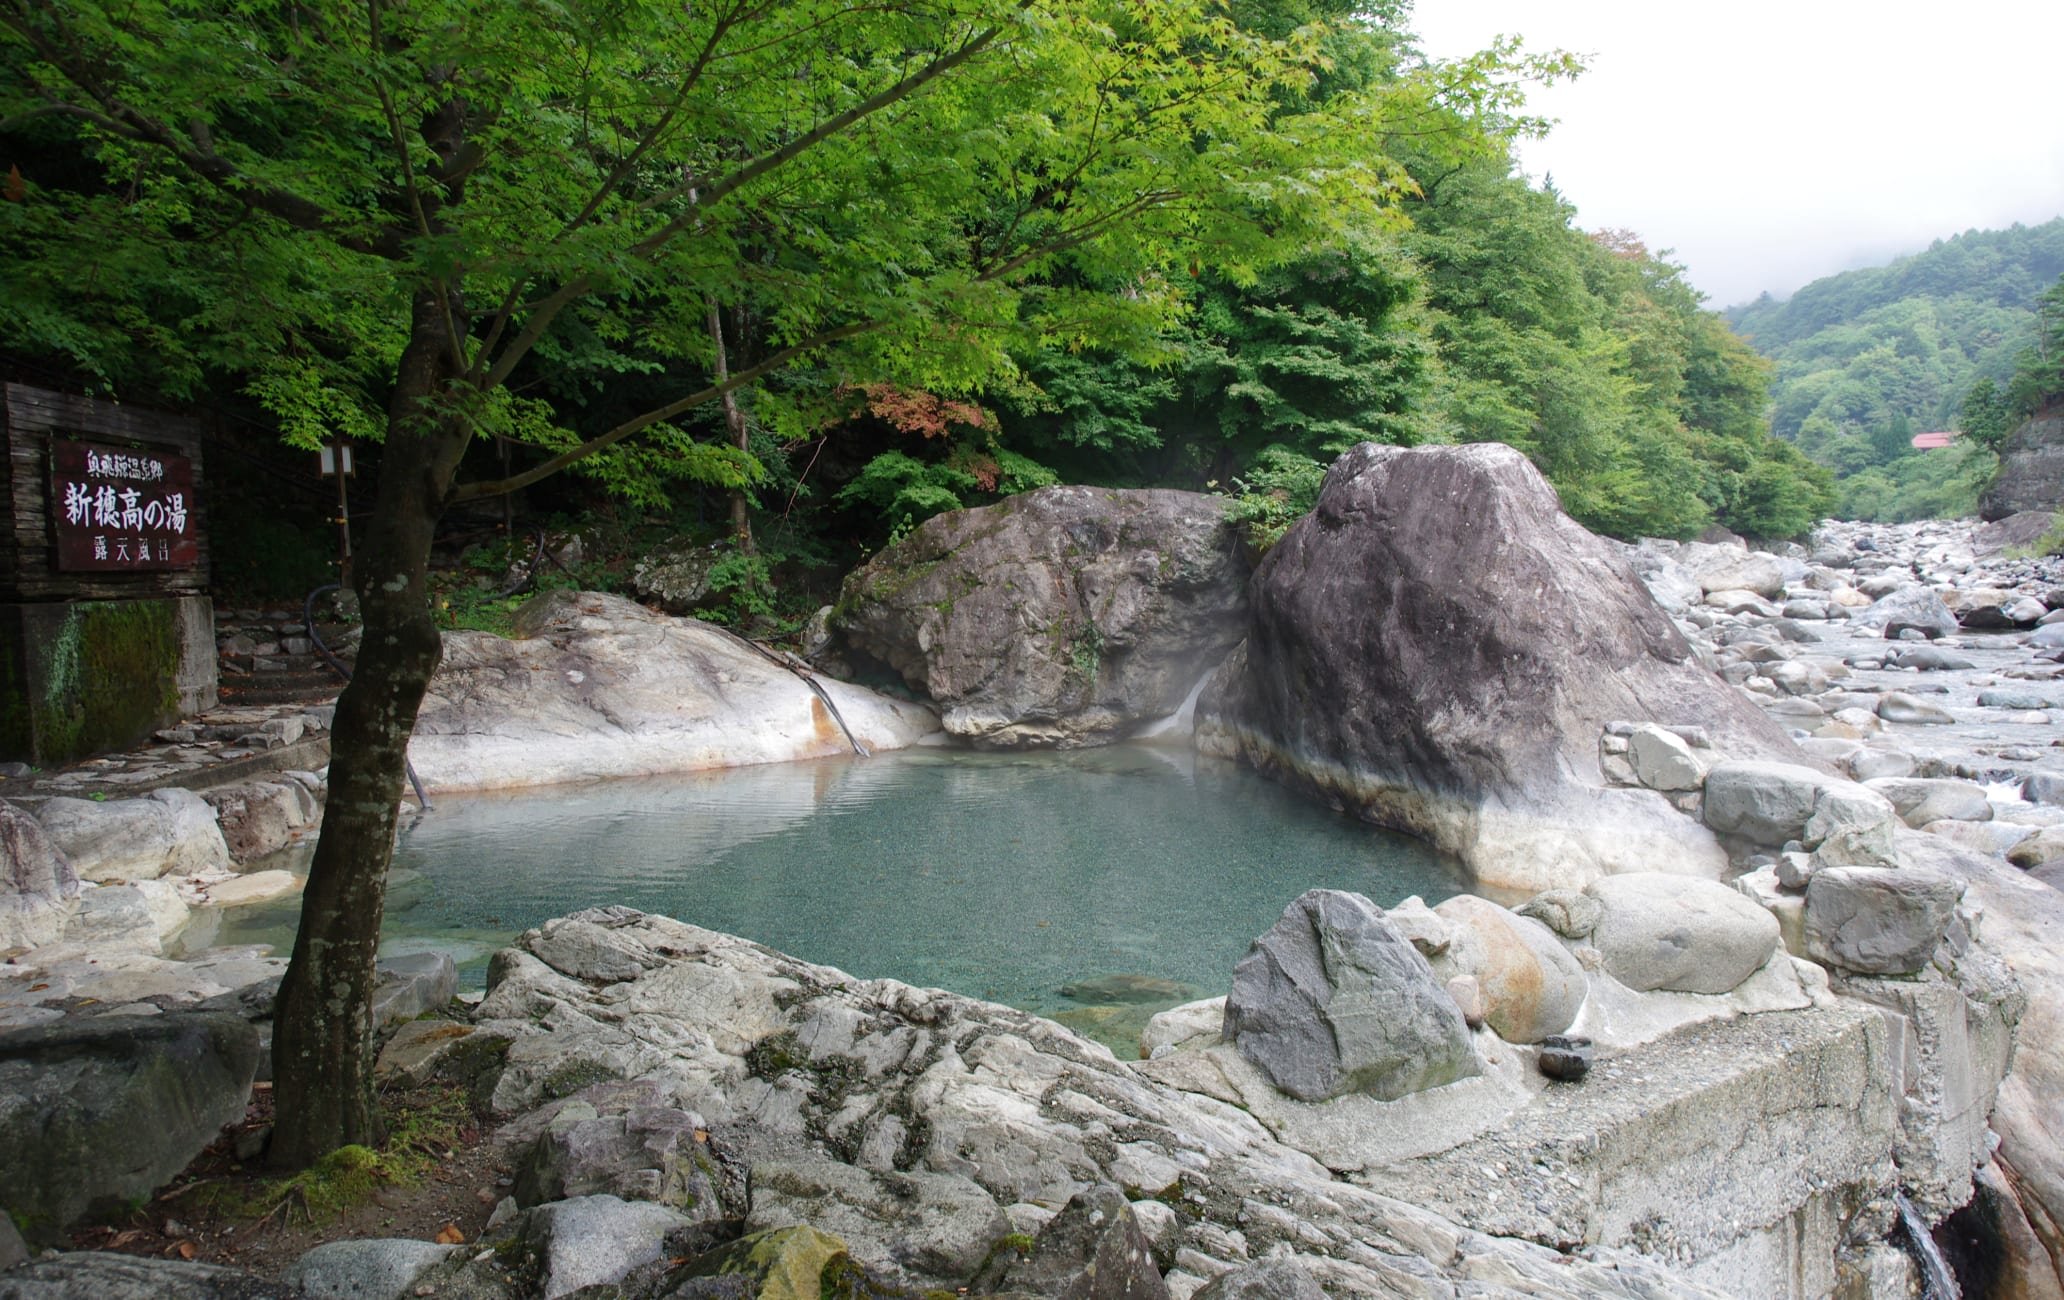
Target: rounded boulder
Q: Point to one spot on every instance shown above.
(1530, 985)
(1679, 934)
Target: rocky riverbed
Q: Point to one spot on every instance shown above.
(1770, 953)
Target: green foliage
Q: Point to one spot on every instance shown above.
(1278, 489)
(1949, 338)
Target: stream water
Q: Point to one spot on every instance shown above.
(1132, 877)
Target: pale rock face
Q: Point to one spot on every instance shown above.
(598, 686)
(37, 884)
(1685, 936)
(167, 832)
(1333, 1000)
(1437, 647)
(1529, 984)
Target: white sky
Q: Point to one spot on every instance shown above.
(1771, 142)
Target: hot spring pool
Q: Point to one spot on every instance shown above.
(1132, 876)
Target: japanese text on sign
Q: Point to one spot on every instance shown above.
(121, 509)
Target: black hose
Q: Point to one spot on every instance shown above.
(337, 667)
(802, 670)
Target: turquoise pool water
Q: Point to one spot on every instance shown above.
(1132, 876)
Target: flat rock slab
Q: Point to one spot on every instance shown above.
(1690, 1143)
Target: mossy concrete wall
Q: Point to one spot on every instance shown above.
(79, 678)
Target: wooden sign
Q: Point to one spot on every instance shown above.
(120, 508)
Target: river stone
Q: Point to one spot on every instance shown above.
(105, 1275)
(1437, 647)
(1851, 825)
(37, 884)
(2015, 699)
(1333, 1000)
(1930, 659)
(595, 1240)
(1530, 985)
(1728, 569)
(97, 1112)
(1898, 706)
(1767, 803)
(1271, 1279)
(595, 686)
(383, 1268)
(2048, 637)
(1869, 764)
(1063, 616)
(167, 832)
(1920, 800)
(1911, 606)
(1662, 761)
(1662, 932)
(1094, 1249)
(922, 1229)
(254, 887)
(1878, 920)
(2046, 845)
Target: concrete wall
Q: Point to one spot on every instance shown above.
(79, 678)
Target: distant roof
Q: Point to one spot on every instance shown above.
(1930, 441)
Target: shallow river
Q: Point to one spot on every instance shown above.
(1133, 876)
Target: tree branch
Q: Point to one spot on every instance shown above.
(602, 442)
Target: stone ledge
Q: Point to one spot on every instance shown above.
(1688, 1149)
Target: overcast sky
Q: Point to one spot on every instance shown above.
(1771, 142)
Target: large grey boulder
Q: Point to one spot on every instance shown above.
(166, 832)
(1911, 606)
(1773, 804)
(922, 1230)
(1438, 647)
(621, 1139)
(37, 885)
(1728, 568)
(1659, 932)
(2031, 468)
(675, 575)
(595, 685)
(97, 1112)
(1332, 999)
(1878, 920)
(1065, 616)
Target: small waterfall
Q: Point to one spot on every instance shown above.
(1181, 724)
(1937, 1281)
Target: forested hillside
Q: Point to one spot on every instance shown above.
(1866, 359)
(1379, 270)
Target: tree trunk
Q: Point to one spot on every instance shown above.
(322, 1025)
(734, 421)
